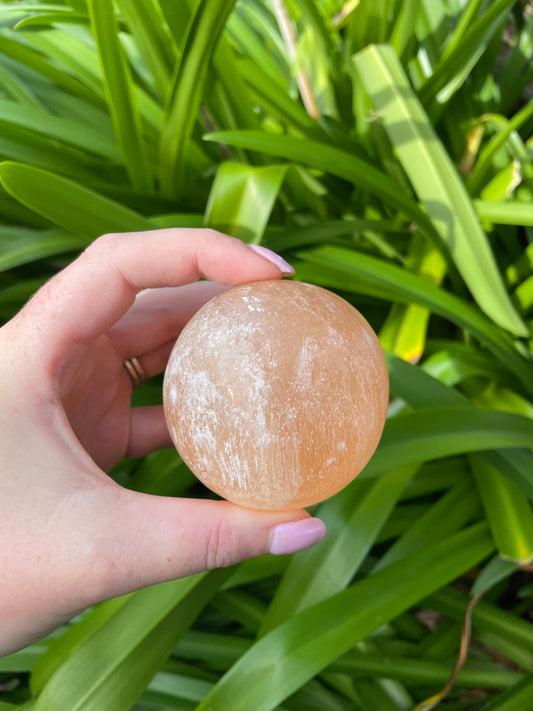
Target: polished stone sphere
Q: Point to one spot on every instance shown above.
(276, 394)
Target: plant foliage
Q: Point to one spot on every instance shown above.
(384, 148)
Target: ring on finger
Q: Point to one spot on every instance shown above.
(136, 371)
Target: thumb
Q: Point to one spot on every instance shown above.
(152, 539)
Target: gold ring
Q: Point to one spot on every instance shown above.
(136, 371)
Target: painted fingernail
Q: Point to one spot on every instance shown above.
(271, 256)
(296, 536)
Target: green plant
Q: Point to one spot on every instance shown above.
(384, 148)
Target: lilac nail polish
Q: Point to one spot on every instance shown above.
(296, 536)
(271, 256)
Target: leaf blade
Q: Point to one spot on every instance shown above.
(67, 203)
(436, 182)
(119, 95)
(296, 650)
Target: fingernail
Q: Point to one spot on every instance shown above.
(271, 256)
(296, 536)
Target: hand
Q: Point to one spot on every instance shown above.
(69, 535)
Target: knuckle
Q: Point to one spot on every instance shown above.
(211, 235)
(104, 243)
(222, 545)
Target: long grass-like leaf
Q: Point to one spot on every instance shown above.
(422, 671)
(505, 213)
(147, 25)
(68, 204)
(433, 433)
(455, 66)
(70, 132)
(354, 518)
(449, 514)
(242, 198)
(508, 512)
(404, 331)
(436, 182)
(344, 269)
(515, 699)
(111, 669)
(490, 623)
(332, 160)
(120, 97)
(38, 62)
(496, 570)
(296, 650)
(21, 246)
(483, 163)
(402, 32)
(205, 27)
(47, 19)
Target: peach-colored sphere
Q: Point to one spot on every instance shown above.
(276, 394)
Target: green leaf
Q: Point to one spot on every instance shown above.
(46, 19)
(496, 570)
(452, 363)
(26, 146)
(68, 204)
(483, 163)
(515, 72)
(503, 185)
(242, 198)
(454, 66)
(436, 182)
(111, 669)
(295, 651)
(508, 512)
(119, 94)
(237, 101)
(402, 32)
(418, 671)
(505, 213)
(516, 465)
(515, 699)
(221, 650)
(420, 390)
(355, 272)
(251, 43)
(73, 639)
(440, 432)
(456, 508)
(331, 160)
(404, 331)
(354, 518)
(24, 660)
(38, 62)
(273, 97)
(22, 246)
(204, 30)
(18, 89)
(323, 231)
(497, 626)
(60, 129)
(147, 26)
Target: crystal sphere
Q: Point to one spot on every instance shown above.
(276, 394)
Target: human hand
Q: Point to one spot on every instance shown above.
(69, 535)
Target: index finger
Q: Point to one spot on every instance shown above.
(91, 294)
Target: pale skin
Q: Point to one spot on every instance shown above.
(69, 535)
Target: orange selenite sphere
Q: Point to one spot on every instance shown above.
(276, 394)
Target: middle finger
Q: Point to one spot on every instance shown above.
(156, 319)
